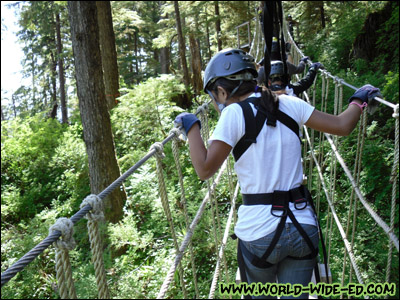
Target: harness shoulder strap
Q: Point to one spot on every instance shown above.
(254, 124)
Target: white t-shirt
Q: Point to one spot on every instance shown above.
(273, 163)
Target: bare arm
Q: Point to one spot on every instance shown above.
(206, 162)
(342, 124)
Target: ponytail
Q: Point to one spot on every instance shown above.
(269, 101)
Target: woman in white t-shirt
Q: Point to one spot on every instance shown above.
(269, 168)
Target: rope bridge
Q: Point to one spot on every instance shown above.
(316, 158)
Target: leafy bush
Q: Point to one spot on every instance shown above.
(27, 147)
(143, 116)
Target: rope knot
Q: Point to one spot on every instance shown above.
(66, 226)
(202, 109)
(396, 112)
(178, 134)
(159, 147)
(336, 80)
(96, 213)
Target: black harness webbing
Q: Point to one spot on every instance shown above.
(279, 199)
(253, 125)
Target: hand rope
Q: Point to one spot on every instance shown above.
(223, 244)
(165, 203)
(170, 274)
(95, 216)
(394, 181)
(63, 265)
(175, 151)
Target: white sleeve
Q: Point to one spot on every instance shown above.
(297, 108)
(230, 127)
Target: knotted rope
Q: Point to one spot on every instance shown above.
(394, 181)
(63, 265)
(95, 216)
(175, 152)
(159, 148)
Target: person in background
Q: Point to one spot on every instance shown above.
(278, 82)
(269, 170)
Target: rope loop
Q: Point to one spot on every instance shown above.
(176, 132)
(396, 112)
(336, 80)
(159, 147)
(96, 214)
(202, 109)
(66, 227)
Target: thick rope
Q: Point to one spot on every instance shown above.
(175, 151)
(96, 244)
(394, 181)
(338, 224)
(204, 115)
(165, 203)
(356, 172)
(223, 244)
(214, 204)
(373, 214)
(63, 265)
(170, 274)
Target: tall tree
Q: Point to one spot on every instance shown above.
(108, 52)
(182, 51)
(218, 25)
(197, 81)
(103, 165)
(61, 78)
(164, 53)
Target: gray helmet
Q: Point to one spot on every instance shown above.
(228, 62)
(276, 68)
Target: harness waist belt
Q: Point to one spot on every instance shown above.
(295, 195)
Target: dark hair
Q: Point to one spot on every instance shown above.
(269, 101)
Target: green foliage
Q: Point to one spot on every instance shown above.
(27, 147)
(143, 116)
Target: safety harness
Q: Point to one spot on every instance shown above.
(279, 200)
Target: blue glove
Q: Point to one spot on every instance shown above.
(186, 120)
(366, 93)
(316, 66)
(304, 59)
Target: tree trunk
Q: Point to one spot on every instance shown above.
(108, 52)
(164, 56)
(208, 39)
(53, 112)
(136, 57)
(182, 52)
(61, 78)
(322, 11)
(103, 166)
(164, 60)
(196, 64)
(218, 26)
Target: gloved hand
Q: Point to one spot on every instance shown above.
(186, 120)
(316, 66)
(304, 59)
(366, 94)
